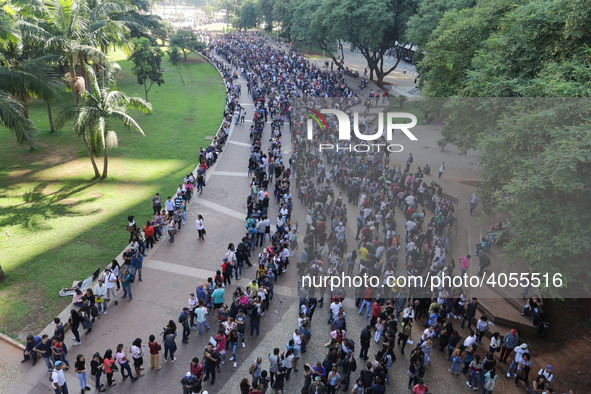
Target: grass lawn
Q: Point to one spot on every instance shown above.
(57, 224)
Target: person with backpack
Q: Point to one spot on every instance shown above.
(190, 383)
(349, 366)
(169, 334)
(490, 379)
(185, 323)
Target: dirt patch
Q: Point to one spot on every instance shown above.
(469, 182)
(96, 195)
(189, 120)
(567, 343)
(69, 201)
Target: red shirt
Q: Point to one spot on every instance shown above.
(377, 309)
(197, 370)
(149, 231)
(153, 347)
(418, 390)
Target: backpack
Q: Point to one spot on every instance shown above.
(353, 365)
(94, 311)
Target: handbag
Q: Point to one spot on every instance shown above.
(173, 231)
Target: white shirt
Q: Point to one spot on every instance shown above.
(58, 377)
(470, 341)
(100, 291)
(297, 341)
(334, 307)
(410, 224)
(106, 278)
(137, 351)
(199, 224)
(169, 205)
(547, 374)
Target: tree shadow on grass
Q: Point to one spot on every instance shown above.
(39, 205)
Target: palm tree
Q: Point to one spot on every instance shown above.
(91, 120)
(69, 26)
(12, 111)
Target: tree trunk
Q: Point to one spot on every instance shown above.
(83, 63)
(310, 51)
(73, 77)
(96, 171)
(180, 75)
(51, 128)
(146, 90)
(105, 162)
(2, 275)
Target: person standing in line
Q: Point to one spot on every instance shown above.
(154, 353)
(256, 369)
(110, 280)
(473, 202)
(510, 340)
(184, 319)
(169, 205)
(137, 354)
(125, 279)
(441, 169)
(171, 229)
(96, 370)
(200, 228)
(100, 295)
(109, 364)
(210, 358)
(233, 341)
(74, 322)
(136, 265)
(80, 369)
(121, 355)
(201, 312)
(274, 362)
(58, 380)
(169, 334)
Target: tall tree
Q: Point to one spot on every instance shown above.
(92, 120)
(174, 55)
(248, 16)
(187, 41)
(373, 26)
(147, 64)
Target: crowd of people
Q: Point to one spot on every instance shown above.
(329, 185)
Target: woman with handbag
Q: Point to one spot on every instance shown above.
(109, 367)
(137, 354)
